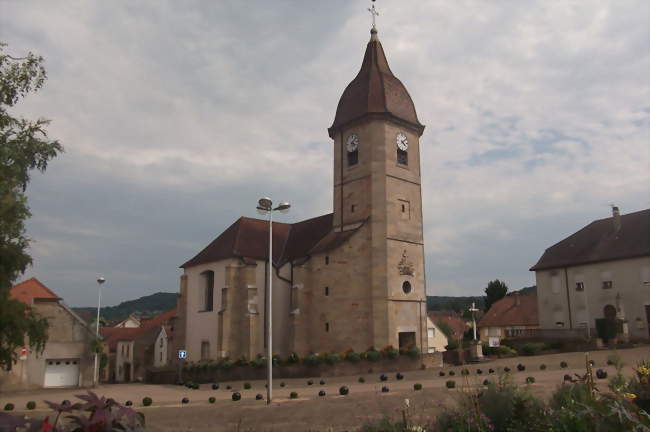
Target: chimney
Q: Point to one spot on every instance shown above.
(616, 218)
(517, 299)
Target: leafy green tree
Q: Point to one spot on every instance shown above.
(495, 291)
(24, 146)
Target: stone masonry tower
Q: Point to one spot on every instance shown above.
(377, 192)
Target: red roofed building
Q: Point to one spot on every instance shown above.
(67, 360)
(132, 350)
(511, 316)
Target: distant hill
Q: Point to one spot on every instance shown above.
(150, 305)
(461, 304)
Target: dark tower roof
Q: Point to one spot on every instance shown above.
(375, 91)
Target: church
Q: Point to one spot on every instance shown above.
(350, 279)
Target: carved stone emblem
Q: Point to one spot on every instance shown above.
(405, 266)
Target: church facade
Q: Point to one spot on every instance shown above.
(351, 279)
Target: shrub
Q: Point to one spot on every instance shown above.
(532, 348)
(441, 373)
(236, 396)
(225, 364)
(385, 389)
(196, 386)
(332, 358)
(352, 357)
(490, 371)
(390, 352)
(247, 386)
(413, 352)
(310, 382)
(452, 344)
(30, 405)
(282, 384)
(322, 382)
(228, 387)
(506, 369)
(542, 366)
(383, 377)
(258, 363)
(215, 386)
(399, 376)
(321, 393)
(567, 377)
(373, 355)
(530, 380)
(146, 401)
(362, 379)
(343, 390)
(185, 400)
(450, 384)
(9, 407)
(293, 358)
(555, 345)
(417, 386)
(601, 374)
(564, 364)
(452, 373)
(464, 372)
(311, 360)
(479, 371)
(293, 395)
(259, 397)
(521, 367)
(486, 382)
(212, 399)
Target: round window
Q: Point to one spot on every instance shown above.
(406, 287)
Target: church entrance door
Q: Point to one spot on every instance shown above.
(406, 340)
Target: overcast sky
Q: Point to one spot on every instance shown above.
(177, 116)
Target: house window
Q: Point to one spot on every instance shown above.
(431, 333)
(555, 284)
(327, 291)
(405, 209)
(161, 342)
(327, 260)
(353, 157)
(160, 356)
(128, 347)
(208, 290)
(327, 327)
(224, 298)
(406, 287)
(580, 286)
(402, 157)
(205, 350)
(559, 324)
(352, 208)
(607, 284)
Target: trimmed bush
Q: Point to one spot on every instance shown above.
(215, 386)
(486, 382)
(185, 400)
(332, 358)
(322, 382)
(196, 386)
(9, 407)
(601, 374)
(441, 373)
(236, 396)
(147, 401)
(479, 371)
(542, 367)
(361, 379)
(530, 380)
(310, 382)
(417, 386)
(321, 393)
(30, 405)
(383, 377)
(228, 387)
(390, 352)
(399, 376)
(247, 386)
(413, 352)
(311, 360)
(521, 367)
(491, 371)
(293, 395)
(212, 399)
(385, 389)
(352, 357)
(452, 373)
(373, 355)
(344, 390)
(506, 369)
(464, 372)
(564, 365)
(451, 384)
(282, 384)
(532, 348)
(259, 397)
(567, 377)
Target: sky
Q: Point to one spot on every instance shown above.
(176, 117)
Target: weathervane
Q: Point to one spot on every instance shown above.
(374, 13)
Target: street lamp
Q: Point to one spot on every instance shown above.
(100, 282)
(264, 207)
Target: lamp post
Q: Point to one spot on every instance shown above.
(264, 207)
(100, 282)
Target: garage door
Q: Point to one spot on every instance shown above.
(61, 372)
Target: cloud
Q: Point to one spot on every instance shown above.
(177, 118)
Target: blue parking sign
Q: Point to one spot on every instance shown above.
(182, 354)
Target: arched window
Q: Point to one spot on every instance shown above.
(208, 290)
(609, 312)
(402, 157)
(353, 157)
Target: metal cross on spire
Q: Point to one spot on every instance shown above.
(374, 13)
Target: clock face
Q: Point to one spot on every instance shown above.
(352, 143)
(402, 141)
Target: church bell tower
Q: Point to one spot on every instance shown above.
(377, 191)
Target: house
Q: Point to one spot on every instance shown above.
(131, 322)
(349, 279)
(513, 316)
(456, 324)
(436, 339)
(67, 360)
(601, 271)
(132, 350)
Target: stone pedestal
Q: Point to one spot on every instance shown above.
(476, 351)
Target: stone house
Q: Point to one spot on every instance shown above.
(513, 316)
(132, 350)
(601, 271)
(67, 360)
(350, 279)
(436, 339)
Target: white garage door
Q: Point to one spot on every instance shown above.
(61, 372)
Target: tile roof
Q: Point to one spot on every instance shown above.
(375, 91)
(31, 289)
(248, 238)
(512, 310)
(457, 324)
(148, 329)
(600, 241)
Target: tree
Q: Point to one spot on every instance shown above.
(496, 290)
(24, 146)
